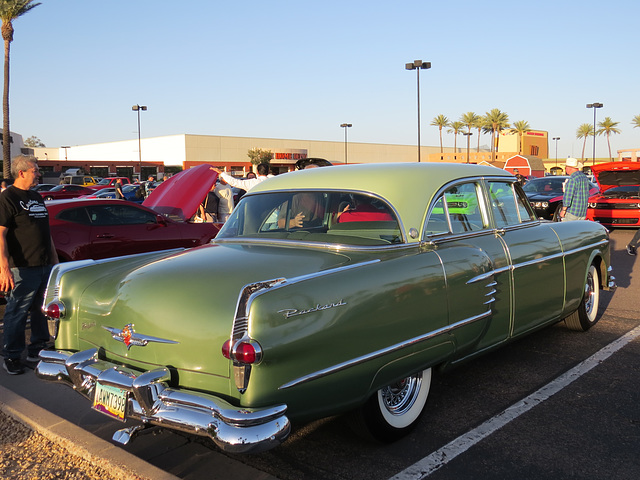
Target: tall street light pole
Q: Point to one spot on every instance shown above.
(556, 140)
(595, 106)
(345, 126)
(138, 108)
(468, 135)
(418, 65)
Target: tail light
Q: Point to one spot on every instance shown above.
(245, 351)
(54, 310)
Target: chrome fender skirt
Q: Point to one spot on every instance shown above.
(151, 401)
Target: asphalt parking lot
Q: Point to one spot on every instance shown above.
(519, 412)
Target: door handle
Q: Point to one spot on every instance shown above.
(105, 235)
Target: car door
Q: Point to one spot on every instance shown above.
(124, 229)
(534, 252)
(476, 266)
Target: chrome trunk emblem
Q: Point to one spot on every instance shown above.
(130, 338)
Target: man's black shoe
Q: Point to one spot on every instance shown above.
(13, 366)
(631, 250)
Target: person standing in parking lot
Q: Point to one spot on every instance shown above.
(119, 193)
(27, 254)
(248, 183)
(225, 205)
(576, 192)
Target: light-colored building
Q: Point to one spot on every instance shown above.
(167, 154)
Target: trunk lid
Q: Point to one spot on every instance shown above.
(189, 298)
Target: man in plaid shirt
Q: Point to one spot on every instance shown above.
(576, 192)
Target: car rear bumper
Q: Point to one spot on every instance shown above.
(151, 401)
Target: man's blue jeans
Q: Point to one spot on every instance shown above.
(25, 298)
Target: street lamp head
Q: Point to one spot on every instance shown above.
(595, 105)
(346, 125)
(136, 108)
(417, 64)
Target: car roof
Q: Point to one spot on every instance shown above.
(407, 186)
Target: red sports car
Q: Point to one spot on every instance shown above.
(102, 228)
(618, 203)
(66, 191)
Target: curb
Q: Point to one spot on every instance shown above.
(78, 441)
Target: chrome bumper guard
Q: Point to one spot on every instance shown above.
(151, 401)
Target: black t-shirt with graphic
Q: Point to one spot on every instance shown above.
(25, 216)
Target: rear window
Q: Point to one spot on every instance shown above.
(315, 216)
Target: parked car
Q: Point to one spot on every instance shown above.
(110, 182)
(545, 195)
(66, 191)
(618, 203)
(97, 228)
(129, 191)
(292, 313)
(44, 187)
(84, 180)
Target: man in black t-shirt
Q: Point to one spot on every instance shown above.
(26, 256)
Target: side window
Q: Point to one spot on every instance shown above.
(75, 215)
(508, 207)
(463, 208)
(119, 215)
(437, 222)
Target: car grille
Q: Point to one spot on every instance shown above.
(616, 221)
(617, 206)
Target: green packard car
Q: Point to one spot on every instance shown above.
(328, 290)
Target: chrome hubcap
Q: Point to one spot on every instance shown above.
(588, 295)
(399, 397)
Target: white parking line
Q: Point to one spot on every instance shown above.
(444, 455)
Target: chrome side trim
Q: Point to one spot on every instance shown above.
(529, 263)
(385, 351)
(151, 401)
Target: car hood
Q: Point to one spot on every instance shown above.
(188, 297)
(180, 195)
(541, 196)
(616, 174)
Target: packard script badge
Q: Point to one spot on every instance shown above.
(130, 338)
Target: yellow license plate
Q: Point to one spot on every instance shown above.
(111, 401)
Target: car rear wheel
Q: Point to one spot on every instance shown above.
(587, 314)
(393, 411)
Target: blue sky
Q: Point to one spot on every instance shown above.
(297, 70)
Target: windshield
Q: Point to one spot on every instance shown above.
(313, 216)
(546, 184)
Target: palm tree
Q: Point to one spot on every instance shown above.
(456, 129)
(471, 120)
(480, 125)
(520, 127)
(636, 121)
(441, 122)
(9, 11)
(495, 122)
(584, 131)
(607, 127)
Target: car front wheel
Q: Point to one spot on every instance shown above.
(587, 314)
(393, 411)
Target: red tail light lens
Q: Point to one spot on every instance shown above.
(54, 310)
(226, 349)
(245, 353)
